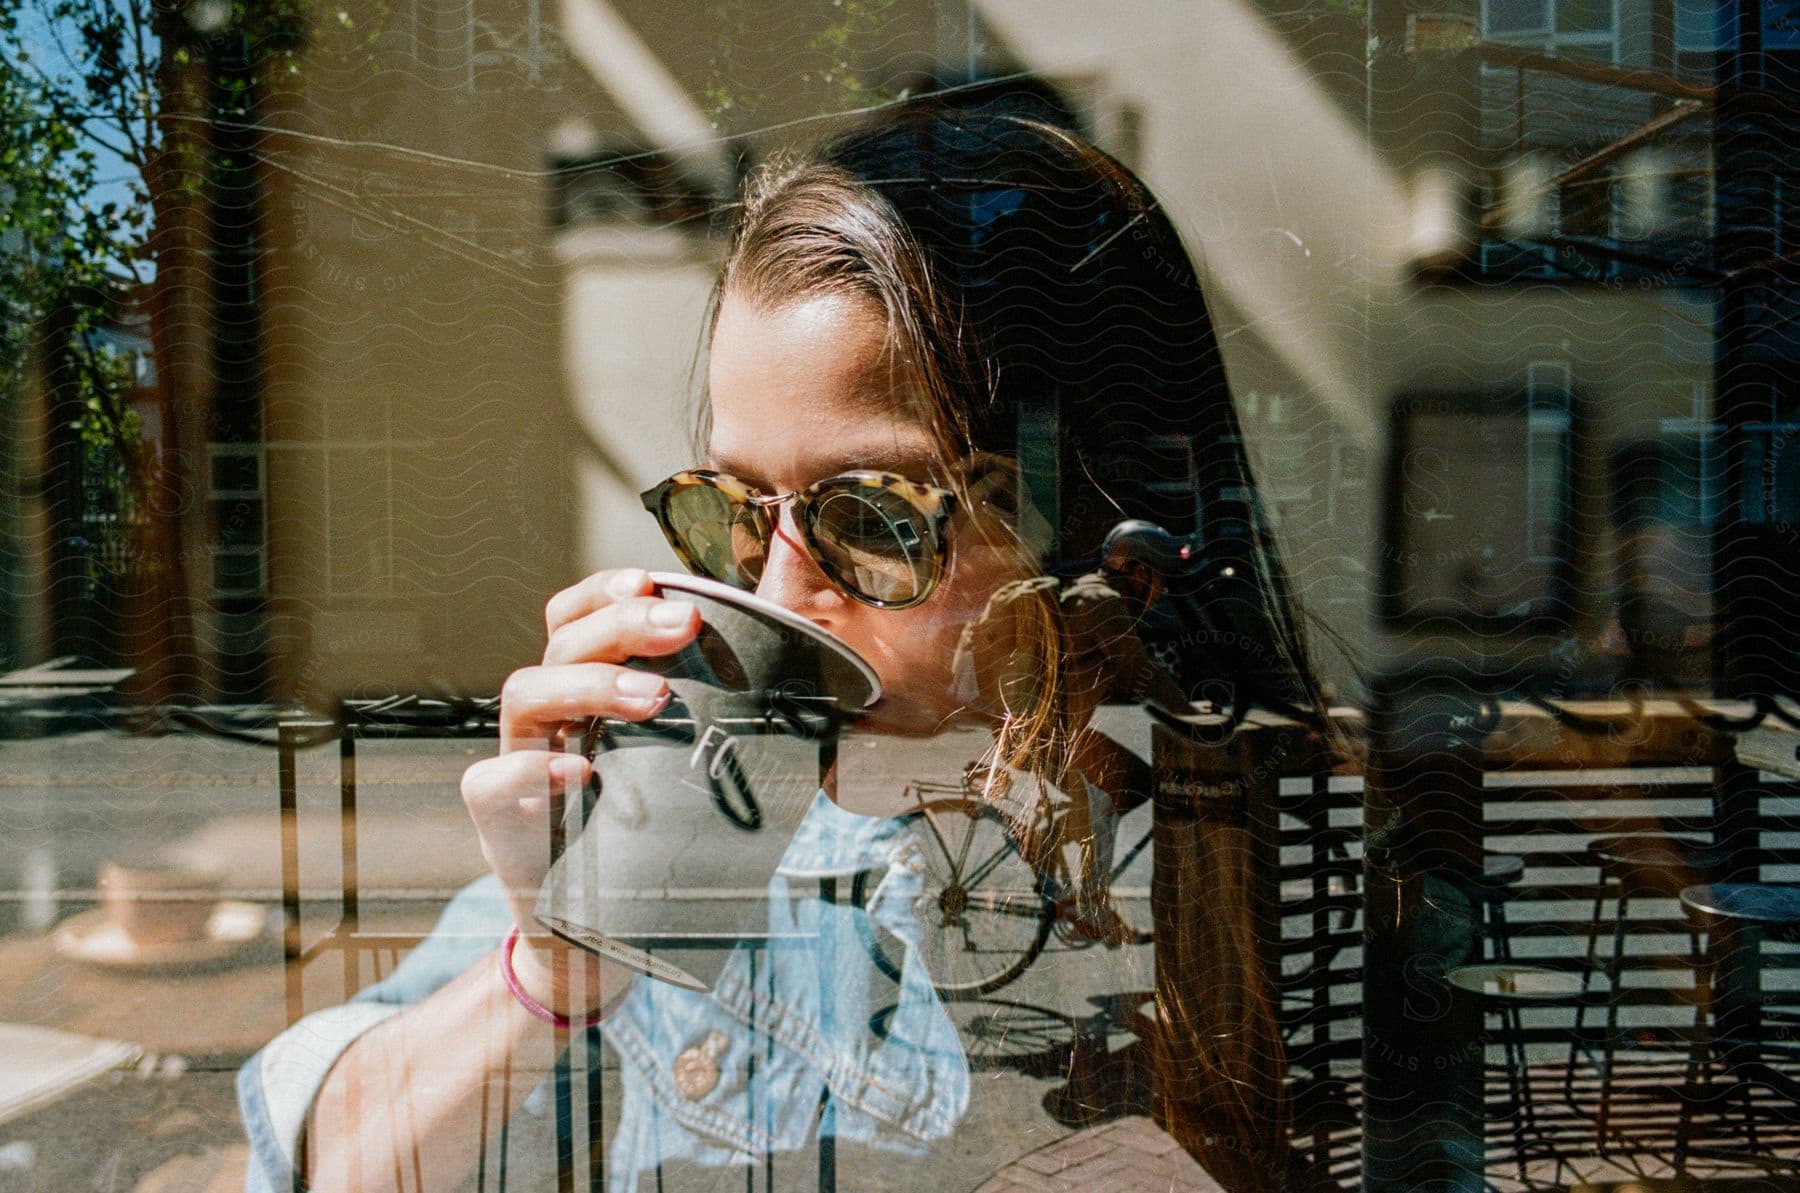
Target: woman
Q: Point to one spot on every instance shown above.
(984, 305)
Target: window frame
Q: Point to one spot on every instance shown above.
(1548, 38)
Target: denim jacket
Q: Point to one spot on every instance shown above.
(786, 1029)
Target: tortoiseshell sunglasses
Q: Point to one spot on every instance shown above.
(876, 535)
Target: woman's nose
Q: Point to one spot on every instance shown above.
(790, 576)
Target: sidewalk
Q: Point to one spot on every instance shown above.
(1129, 1155)
(73, 799)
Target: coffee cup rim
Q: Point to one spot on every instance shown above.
(750, 603)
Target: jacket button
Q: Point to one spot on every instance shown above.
(697, 1068)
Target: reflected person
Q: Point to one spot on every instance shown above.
(963, 312)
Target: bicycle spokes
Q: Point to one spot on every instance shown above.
(981, 911)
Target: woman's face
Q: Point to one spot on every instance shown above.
(808, 390)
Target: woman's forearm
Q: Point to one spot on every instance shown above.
(414, 1103)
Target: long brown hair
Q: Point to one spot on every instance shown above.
(1049, 314)
(1043, 304)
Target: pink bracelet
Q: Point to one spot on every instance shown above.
(531, 1004)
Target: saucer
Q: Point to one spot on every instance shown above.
(93, 938)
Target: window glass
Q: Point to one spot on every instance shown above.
(1516, 16)
(1584, 16)
(1705, 24)
(1336, 498)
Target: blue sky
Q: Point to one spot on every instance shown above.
(50, 54)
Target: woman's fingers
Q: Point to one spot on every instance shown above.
(508, 798)
(629, 627)
(593, 626)
(536, 703)
(594, 592)
(507, 790)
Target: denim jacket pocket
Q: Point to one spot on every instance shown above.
(742, 1072)
(706, 1072)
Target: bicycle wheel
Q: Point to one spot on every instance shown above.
(983, 913)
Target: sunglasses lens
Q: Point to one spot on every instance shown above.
(875, 543)
(723, 540)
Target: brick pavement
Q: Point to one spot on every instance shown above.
(1127, 1155)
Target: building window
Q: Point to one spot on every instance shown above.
(235, 490)
(1583, 28)
(1769, 219)
(1702, 29)
(236, 470)
(1690, 205)
(1691, 478)
(1515, 18)
(237, 572)
(1771, 473)
(1585, 207)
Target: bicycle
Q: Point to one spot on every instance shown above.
(986, 911)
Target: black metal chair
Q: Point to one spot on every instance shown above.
(1501, 875)
(1505, 989)
(1634, 866)
(1734, 916)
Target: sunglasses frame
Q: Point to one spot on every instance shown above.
(936, 504)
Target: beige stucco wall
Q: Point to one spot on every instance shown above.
(463, 405)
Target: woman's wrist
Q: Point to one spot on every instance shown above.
(547, 974)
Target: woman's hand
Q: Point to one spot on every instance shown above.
(592, 628)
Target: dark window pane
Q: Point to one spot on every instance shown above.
(1516, 16)
(234, 473)
(1704, 24)
(237, 571)
(238, 523)
(1587, 208)
(1584, 16)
